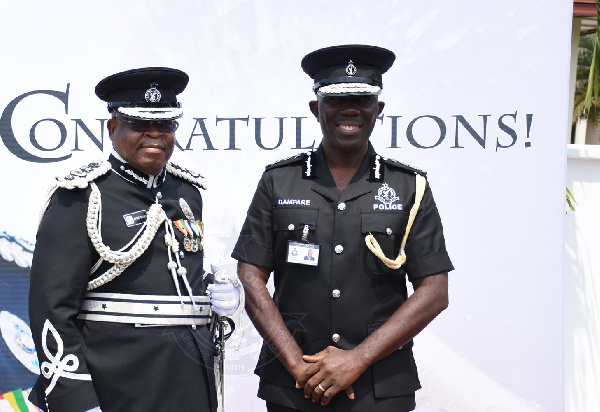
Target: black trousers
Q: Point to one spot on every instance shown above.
(271, 407)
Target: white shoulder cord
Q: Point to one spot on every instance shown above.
(401, 259)
(120, 259)
(99, 262)
(129, 253)
(173, 249)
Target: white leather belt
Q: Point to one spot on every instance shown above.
(145, 309)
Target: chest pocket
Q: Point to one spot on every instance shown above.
(388, 229)
(288, 223)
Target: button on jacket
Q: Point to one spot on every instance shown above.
(350, 293)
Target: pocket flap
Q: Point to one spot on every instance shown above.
(298, 217)
(380, 222)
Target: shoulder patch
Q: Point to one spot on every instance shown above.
(395, 163)
(288, 160)
(187, 175)
(81, 177)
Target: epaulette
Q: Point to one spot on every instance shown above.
(392, 162)
(288, 160)
(81, 177)
(187, 174)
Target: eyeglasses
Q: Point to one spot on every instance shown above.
(164, 126)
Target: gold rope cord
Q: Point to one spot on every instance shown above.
(373, 245)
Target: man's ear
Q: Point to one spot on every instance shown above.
(314, 108)
(111, 125)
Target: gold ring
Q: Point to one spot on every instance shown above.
(320, 387)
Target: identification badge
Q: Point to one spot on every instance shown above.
(303, 253)
(135, 218)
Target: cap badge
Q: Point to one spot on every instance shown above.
(152, 94)
(350, 69)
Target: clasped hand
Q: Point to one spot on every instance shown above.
(330, 371)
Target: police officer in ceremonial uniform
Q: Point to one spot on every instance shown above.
(338, 330)
(118, 301)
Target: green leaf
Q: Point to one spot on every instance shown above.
(571, 200)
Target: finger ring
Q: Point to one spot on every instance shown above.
(320, 387)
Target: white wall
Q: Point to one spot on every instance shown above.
(582, 282)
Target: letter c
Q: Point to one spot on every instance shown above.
(8, 137)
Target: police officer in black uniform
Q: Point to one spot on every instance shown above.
(118, 304)
(338, 332)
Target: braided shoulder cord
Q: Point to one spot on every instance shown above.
(120, 259)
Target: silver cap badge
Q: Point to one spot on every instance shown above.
(152, 94)
(350, 69)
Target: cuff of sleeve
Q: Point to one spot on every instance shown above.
(79, 397)
(428, 265)
(254, 254)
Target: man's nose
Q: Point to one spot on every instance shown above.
(349, 109)
(152, 131)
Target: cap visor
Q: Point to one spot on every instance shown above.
(151, 113)
(345, 89)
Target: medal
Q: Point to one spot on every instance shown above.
(182, 227)
(190, 227)
(186, 209)
(187, 244)
(198, 228)
(193, 241)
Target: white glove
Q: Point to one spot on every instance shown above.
(224, 298)
(96, 409)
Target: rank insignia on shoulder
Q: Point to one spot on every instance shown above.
(376, 169)
(187, 174)
(288, 160)
(308, 168)
(81, 177)
(392, 162)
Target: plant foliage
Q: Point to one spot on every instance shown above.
(587, 89)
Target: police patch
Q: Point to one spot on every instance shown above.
(387, 196)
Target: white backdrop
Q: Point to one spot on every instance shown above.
(478, 97)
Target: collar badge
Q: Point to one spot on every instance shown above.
(350, 69)
(152, 94)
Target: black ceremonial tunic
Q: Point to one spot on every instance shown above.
(132, 368)
(351, 292)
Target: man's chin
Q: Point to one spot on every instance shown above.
(152, 166)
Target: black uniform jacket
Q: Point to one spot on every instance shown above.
(350, 293)
(119, 366)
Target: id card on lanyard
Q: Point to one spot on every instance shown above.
(304, 252)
